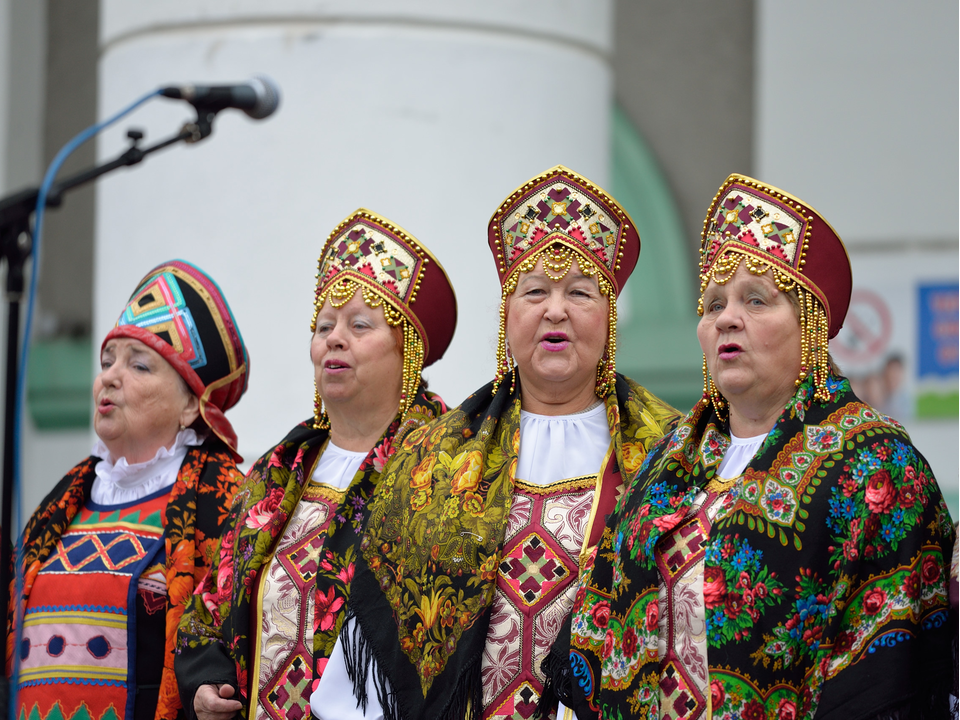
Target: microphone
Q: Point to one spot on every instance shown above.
(258, 97)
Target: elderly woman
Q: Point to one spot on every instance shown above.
(784, 552)
(112, 554)
(259, 630)
(482, 518)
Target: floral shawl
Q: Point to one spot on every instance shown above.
(824, 579)
(192, 521)
(431, 550)
(213, 644)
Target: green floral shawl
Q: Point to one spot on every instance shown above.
(213, 643)
(825, 574)
(432, 547)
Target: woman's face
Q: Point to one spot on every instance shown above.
(750, 335)
(141, 401)
(557, 330)
(357, 357)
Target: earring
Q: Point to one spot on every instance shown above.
(320, 419)
(711, 394)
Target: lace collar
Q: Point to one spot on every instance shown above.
(119, 482)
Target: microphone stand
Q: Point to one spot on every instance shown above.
(16, 244)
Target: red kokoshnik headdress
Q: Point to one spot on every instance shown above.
(750, 221)
(180, 312)
(393, 270)
(560, 216)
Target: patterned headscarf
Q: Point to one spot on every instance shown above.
(179, 311)
(770, 230)
(393, 270)
(560, 216)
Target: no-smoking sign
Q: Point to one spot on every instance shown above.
(866, 331)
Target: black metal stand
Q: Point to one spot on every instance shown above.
(16, 244)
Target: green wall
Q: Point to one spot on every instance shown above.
(657, 344)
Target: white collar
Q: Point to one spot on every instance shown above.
(559, 447)
(738, 455)
(120, 482)
(337, 467)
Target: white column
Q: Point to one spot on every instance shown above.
(427, 112)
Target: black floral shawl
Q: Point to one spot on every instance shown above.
(825, 574)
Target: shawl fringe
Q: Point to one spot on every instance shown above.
(465, 702)
(559, 682)
(358, 656)
(933, 702)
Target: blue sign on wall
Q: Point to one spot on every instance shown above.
(938, 329)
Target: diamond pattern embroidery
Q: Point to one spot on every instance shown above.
(291, 693)
(532, 569)
(122, 550)
(519, 705)
(286, 632)
(369, 251)
(563, 209)
(678, 699)
(745, 218)
(683, 547)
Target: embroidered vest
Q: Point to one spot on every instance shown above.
(287, 609)
(682, 605)
(78, 654)
(535, 590)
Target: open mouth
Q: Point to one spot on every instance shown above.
(554, 342)
(729, 350)
(105, 405)
(335, 365)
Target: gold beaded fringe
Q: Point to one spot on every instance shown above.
(711, 395)
(557, 261)
(339, 293)
(814, 328)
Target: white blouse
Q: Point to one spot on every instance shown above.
(558, 447)
(118, 482)
(552, 448)
(739, 455)
(337, 467)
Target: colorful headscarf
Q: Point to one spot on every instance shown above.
(560, 216)
(749, 221)
(392, 270)
(180, 312)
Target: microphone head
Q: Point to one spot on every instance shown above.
(268, 97)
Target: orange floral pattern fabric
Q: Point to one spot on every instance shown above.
(198, 504)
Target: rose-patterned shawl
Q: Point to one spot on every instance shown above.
(824, 581)
(198, 504)
(431, 550)
(213, 644)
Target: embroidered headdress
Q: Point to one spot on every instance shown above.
(770, 230)
(392, 270)
(560, 216)
(180, 312)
